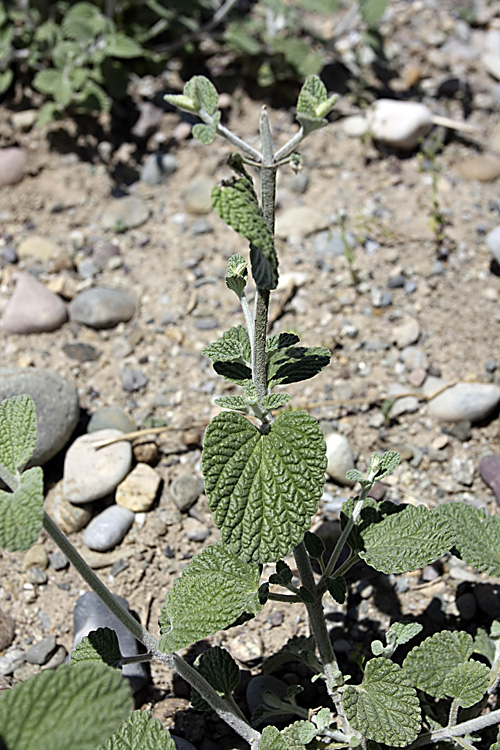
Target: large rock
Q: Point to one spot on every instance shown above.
(91, 472)
(101, 307)
(471, 401)
(32, 308)
(56, 402)
(399, 124)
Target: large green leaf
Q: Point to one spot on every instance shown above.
(263, 489)
(385, 707)
(141, 731)
(296, 363)
(467, 683)
(428, 665)
(72, 707)
(219, 669)
(99, 645)
(17, 432)
(215, 588)
(21, 512)
(406, 541)
(477, 536)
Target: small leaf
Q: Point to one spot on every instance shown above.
(71, 707)
(275, 400)
(141, 731)
(313, 104)
(272, 740)
(305, 595)
(17, 432)
(214, 590)
(477, 535)
(202, 91)
(218, 667)
(296, 363)
(6, 78)
(323, 719)
(99, 645)
(234, 372)
(205, 133)
(402, 632)
(236, 403)
(284, 572)
(250, 394)
(429, 664)
(237, 274)
(122, 46)
(357, 476)
(233, 344)
(315, 546)
(385, 707)
(484, 645)
(298, 734)
(496, 745)
(372, 11)
(281, 341)
(467, 682)
(182, 102)
(263, 489)
(21, 512)
(383, 465)
(337, 588)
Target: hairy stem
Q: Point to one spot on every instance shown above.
(289, 146)
(459, 730)
(242, 145)
(340, 545)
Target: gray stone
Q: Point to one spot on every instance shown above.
(58, 657)
(58, 560)
(157, 168)
(92, 472)
(111, 417)
(108, 528)
(246, 647)
(201, 226)
(7, 630)
(68, 517)
(41, 652)
(333, 242)
(149, 119)
(133, 380)
(462, 469)
(197, 198)
(463, 401)
(102, 308)
(11, 660)
(36, 576)
(300, 221)
(89, 614)
(32, 308)
(81, 352)
(405, 405)
(185, 491)
(195, 530)
(340, 458)
(12, 165)
(56, 402)
(407, 333)
(493, 243)
(125, 213)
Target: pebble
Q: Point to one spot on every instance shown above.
(138, 490)
(91, 473)
(7, 630)
(463, 401)
(41, 652)
(36, 576)
(24, 119)
(81, 352)
(206, 324)
(133, 380)
(89, 614)
(399, 124)
(108, 528)
(58, 657)
(11, 660)
(488, 599)
(157, 168)
(149, 119)
(111, 417)
(405, 405)
(101, 307)
(146, 453)
(125, 213)
(246, 647)
(12, 165)
(413, 358)
(462, 469)
(197, 197)
(9, 254)
(201, 226)
(36, 556)
(32, 308)
(56, 402)
(195, 530)
(38, 248)
(67, 516)
(483, 167)
(489, 470)
(416, 378)
(491, 61)
(332, 242)
(340, 458)
(185, 491)
(300, 221)
(256, 688)
(493, 243)
(58, 560)
(407, 333)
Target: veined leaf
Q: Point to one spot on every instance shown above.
(99, 645)
(141, 731)
(401, 632)
(385, 707)
(294, 737)
(337, 588)
(71, 707)
(272, 739)
(83, 22)
(484, 645)
(281, 341)
(477, 536)
(122, 46)
(237, 274)
(215, 588)
(202, 91)
(467, 682)
(428, 665)
(236, 403)
(296, 363)
(275, 400)
(263, 489)
(204, 132)
(233, 344)
(17, 432)
(21, 512)
(313, 104)
(219, 669)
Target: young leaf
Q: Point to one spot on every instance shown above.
(402, 632)
(234, 372)
(383, 465)
(263, 489)
(315, 546)
(296, 363)
(372, 11)
(275, 400)
(281, 341)
(204, 132)
(203, 93)
(298, 734)
(313, 104)
(71, 707)
(142, 731)
(99, 645)
(406, 541)
(17, 432)
(467, 682)
(233, 344)
(337, 588)
(478, 536)
(237, 274)
(236, 403)
(272, 739)
(484, 645)
(21, 512)
(357, 476)
(284, 572)
(385, 707)
(219, 669)
(214, 590)
(428, 665)
(122, 46)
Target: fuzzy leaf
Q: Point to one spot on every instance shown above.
(203, 93)
(429, 664)
(21, 512)
(53, 82)
(17, 432)
(337, 588)
(234, 372)
(296, 363)
(272, 739)
(263, 489)
(236, 403)
(372, 11)
(275, 400)
(298, 734)
(402, 632)
(83, 22)
(233, 344)
(122, 46)
(313, 104)
(384, 464)
(281, 341)
(468, 682)
(406, 541)
(204, 132)
(99, 645)
(141, 731)
(214, 590)
(484, 645)
(357, 476)
(478, 536)
(71, 707)
(237, 274)
(219, 669)
(236, 203)
(385, 707)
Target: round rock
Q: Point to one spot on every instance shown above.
(110, 417)
(56, 402)
(32, 308)
(138, 490)
(125, 213)
(101, 307)
(41, 652)
(68, 517)
(38, 248)
(399, 124)
(340, 458)
(108, 528)
(185, 491)
(91, 472)
(12, 165)
(463, 401)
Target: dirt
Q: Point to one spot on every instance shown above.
(387, 198)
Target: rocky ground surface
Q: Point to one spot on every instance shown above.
(112, 277)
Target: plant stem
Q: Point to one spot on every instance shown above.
(287, 598)
(289, 146)
(466, 727)
(340, 544)
(235, 140)
(452, 718)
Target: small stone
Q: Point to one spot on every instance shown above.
(12, 165)
(81, 352)
(24, 120)
(68, 517)
(195, 530)
(32, 308)
(100, 307)
(201, 226)
(300, 221)
(38, 248)
(36, 556)
(355, 126)
(56, 403)
(157, 168)
(87, 269)
(489, 470)
(462, 469)
(462, 430)
(103, 253)
(146, 453)
(416, 378)
(58, 560)
(399, 124)
(133, 380)
(491, 61)
(206, 324)
(493, 243)
(41, 652)
(463, 401)
(91, 472)
(340, 458)
(407, 333)
(108, 528)
(138, 490)
(7, 630)
(404, 405)
(185, 491)
(9, 254)
(246, 647)
(483, 167)
(197, 197)
(11, 660)
(413, 358)
(333, 243)
(36, 576)
(111, 417)
(125, 213)
(58, 657)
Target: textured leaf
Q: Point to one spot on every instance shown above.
(406, 541)
(236, 203)
(236, 274)
(272, 740)
(357, 476)
(263, 489)
(311, 104)
(72, 707)
(203, 93)
(337, 588)
(385, 707)
(298, 734)
(122, 46)
(384, 464)
(21, 512)
(219, 669)
(484, 645)
(99, 645)
(296, 363)
(478, 536)
(17, 432)
(281, 341)
(372, 11)
(214, 590)
(234, 372)
(429, 664)
(402, 632)
(233, 344)
(83, 22)
(141, 731)
(205, 133)
(467, 682)
(237, 403)
(314, 544)
(275, 400)
(182, 102)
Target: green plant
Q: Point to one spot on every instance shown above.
(428, 163)
(264, 474)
